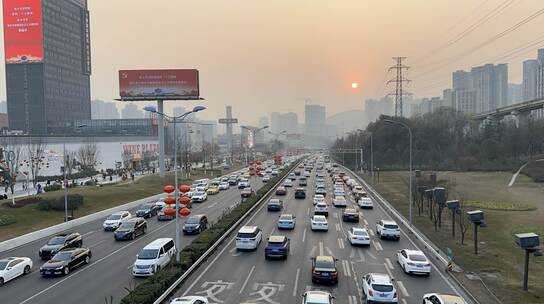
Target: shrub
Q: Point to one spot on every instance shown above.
(90, 183)
(53, 187)
(7, 220)
(74, 201)
(23, 202)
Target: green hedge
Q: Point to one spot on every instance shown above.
(150, 289)
(74, 201)
(53, 187)
(19, 203)
(7, 220)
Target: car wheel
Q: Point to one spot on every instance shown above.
(144, 231)
(1, 281)
(87, 259)
(132, 236)
(66, 270)
(404, 269)
(27, 270)
(80, 244)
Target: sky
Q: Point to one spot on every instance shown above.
(265, 56)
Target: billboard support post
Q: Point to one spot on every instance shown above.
(160, 118)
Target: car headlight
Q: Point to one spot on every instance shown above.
(59, 268)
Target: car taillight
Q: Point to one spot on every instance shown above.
(370, 292)
(334, 273)
(395, 295)
(316, 272)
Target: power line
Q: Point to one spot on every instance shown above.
(398, 80)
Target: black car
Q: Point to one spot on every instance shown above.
(324, 269)
(274, 204)
(59, 242)
(278, 247)
(300, 193)
(350, 215)
(195, 224)
(66, 260)
(148, 210)
(233, 182)
(130, 229)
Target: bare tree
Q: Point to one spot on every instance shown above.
(36, 158)
(10, 161)
(88, 156)
(464, 222)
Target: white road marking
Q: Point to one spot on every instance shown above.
(377, 245)
(273, 230)
(345, 265)
(335, 215)
(371, 232)
(352, 254)
(389, 264)
(403, 301)
(247, 279)
(388, 270)
(366, 222)
(361, 256)
(352, 300)
(312, 252)
(96, 244)
(304, 235)
(232, 250)
(212, 205)
(371, 255)
(341, 243)
(403, 289)
(308, 212)
(328, 250)
(89, 233)
(337, 227)
(296, 283)
(320, 248)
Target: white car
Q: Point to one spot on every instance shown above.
(339, 201)
(339, 192)
(413, 261)
(224, 186)
(153, 257)
(435, 298)
(365, 203)
(388, 229)
(358, 236)
(115, 220)
(318, 198)
(190, 300)
(378, 287)
(319, 222)
(307, 173)
(199, 196)
(249, 237)
(317, 297)
(274, 172)
(266, 178)
(321, 209)
(10, 268)
(288, 183)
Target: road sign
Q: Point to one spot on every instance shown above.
(228, 120)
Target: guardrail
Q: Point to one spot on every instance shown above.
(208, 252)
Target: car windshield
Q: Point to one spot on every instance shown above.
(148, 254)
(275, 244)
(63, 256)
(58, 240)
(199, 193)
(285, 218)
(128, 225)
(146, 207)
(114, 217)
(390, 226)
(324, 263)
(360, 232)
(3, 264)
(193, 220)
(382, 288)
(417, 257)
(274, 201)
(319, 219)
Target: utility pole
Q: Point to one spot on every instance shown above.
(398, 81)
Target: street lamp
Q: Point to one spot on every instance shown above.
(64, 173)
(411, 201)
(174, 120)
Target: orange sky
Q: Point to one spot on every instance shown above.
(263, 56)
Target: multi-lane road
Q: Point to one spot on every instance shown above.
(233, 277)
(110, 271)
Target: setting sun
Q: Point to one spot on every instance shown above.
(354, 85)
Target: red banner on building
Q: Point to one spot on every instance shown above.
(158, 84)
(23, 32)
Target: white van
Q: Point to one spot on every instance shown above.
(248, 237)
(153, 257)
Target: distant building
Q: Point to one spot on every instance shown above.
(515, 93)
(533, 81)
(447, 97)
(465, 100)
(314, 125)
(3, 106)
(374, 108)
(275, 125)
(104, 110)
(130, 111)
(289, 121)
(263, 121)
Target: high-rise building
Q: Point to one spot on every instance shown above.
(374, 108)
(130, 111)
(530, 68)
(515, 93)
(314, 125)
(263, 121)
(275, 125)
(289, 122)
(104, 110)
(447, 97)
(48, 63)
(465, 100)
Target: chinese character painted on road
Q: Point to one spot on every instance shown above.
(265, 292)
(213, 289)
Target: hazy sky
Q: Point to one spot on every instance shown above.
(263, 56)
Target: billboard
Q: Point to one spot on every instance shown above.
(250, 138)
(23, 36)
(158, 84)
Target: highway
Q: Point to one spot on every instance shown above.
(234, 277)
(110, 270)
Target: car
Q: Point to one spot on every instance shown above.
(319, 198)
(339, 201)
(213, 190)
(153, 257)
(365, 203)
(288, 183)
(435, 298)
(292, 176)
(248, 238)
(287, 221)
(190, 300)
(324, 269)
(195, 224)
(224, 185)
(275, 172)
(307, 173)
(147, 210)
(59, 242)
(339, 192)
(233, 181)
(388, 229)
(130, 229)
(378, 287)
(317, 297)
(302, 182)
(321, 208)
(199, 197)
(66, 260)
(115, 220)
(413, 262)
(274, 204)
(350, 215)
(281, 191)
(278, 247)
(300, 193)
(13, 267)
(319, 222)
(243, 184)
(247, 192)
(358, 236)
(321, 190)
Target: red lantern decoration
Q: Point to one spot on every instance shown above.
(184, 188)
(170, 211)
(169, 189)
(170, 200)
(184, 200)
(185, 212)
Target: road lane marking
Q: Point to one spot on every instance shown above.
(377, 245)
(308, 211)
(212, 205)
(304, 235)
(388, 270)
(273, 230)
(371, 232)
(320, 248)
(328, 250)
(361, 256)
(296, 283)
(352, 254)
(371, 255)
(389, 264)
(366, 222)
(403, 289)
(232, 250)
(340, 243)
(247, 279)
(96, 244)
(335, 215)
(403, 301)
(312, 252)
(337, 227)
(89, 233)
(345, 265)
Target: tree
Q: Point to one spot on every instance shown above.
(88, 155)
(10, 162)
(36, 158)
(464, 222)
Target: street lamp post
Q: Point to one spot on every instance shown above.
(176, 195)
(64, 173)
(411, 201)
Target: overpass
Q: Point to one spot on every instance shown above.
(520, 110)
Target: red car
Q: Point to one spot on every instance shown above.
(281, 191)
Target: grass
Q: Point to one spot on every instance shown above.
(499, 262)
(29, 218)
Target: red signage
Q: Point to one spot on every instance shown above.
(158, 84)
(23, 37)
